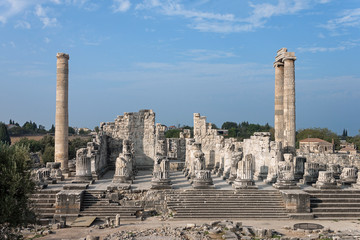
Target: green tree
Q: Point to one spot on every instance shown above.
(229, 125)
(33, 145)
(83, 132)
(72, 130)
(172, 133)
(75, 144)
(4, 134)
(97, 129)
(52, 129)
(15, 185)
(48, 155)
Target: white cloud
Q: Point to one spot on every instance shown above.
(226, 23)
(23, 24)
(204, 55)
(11, 8)
(42, 14)
(46, 40)
(342, 46)
(121, 5)
(348, 18)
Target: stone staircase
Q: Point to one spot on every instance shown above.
(43, 204)
(226, 204)
(335, 204)
(95, 204)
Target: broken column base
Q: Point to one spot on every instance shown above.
(230, 180)
(122, 179)
(322, 185)
(356, 185)
(286, 184)
(244, 184)
(270, 179)
(203, 184)
(160, 184)
(308, 180)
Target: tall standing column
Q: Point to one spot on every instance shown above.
(62, 116)
(279, 99)
(289, 101)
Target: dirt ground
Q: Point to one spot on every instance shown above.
(154, 222)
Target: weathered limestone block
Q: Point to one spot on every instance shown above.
(245, 173)
(186, 133)
(326, 180)
(55, 171)
(68, 204)
(357, 184)
(348, 175)
(188, 155)
(311, 172)
(83, 165)
(335, 169)
(229, 149)
(299, 167)
(235, 158)
(203, 179)
(276, 156)
(161, 172)
(259, 145)
(296, 201)
(286, 179)
(39, 176)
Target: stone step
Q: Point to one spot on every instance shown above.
(335, 200)
(113, 209)
(41, 200)
(223, 202)
(45, 210)
(229, 207)
(229, 215)
(42, 205)
(337, 215)
(335, 195)
(233, 211)
(335, 209)
(113, 214)
(347, 205)
(37, 195)
(224, 198)
(222, 195)
(329, 191)
(45, 221)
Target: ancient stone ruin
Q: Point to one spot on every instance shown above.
(204, 176)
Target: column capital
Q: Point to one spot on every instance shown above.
(289, 56)
(278, 64)
(62, 55)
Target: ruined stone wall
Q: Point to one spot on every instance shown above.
(176, 148)
(264, 151)
(211, 142)
(343, 160)
(139, 128)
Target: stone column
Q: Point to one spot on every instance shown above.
(245, 173)
(289, 102)
(62, 116)
(279, 99)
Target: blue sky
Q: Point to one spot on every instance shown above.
(178, 57)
